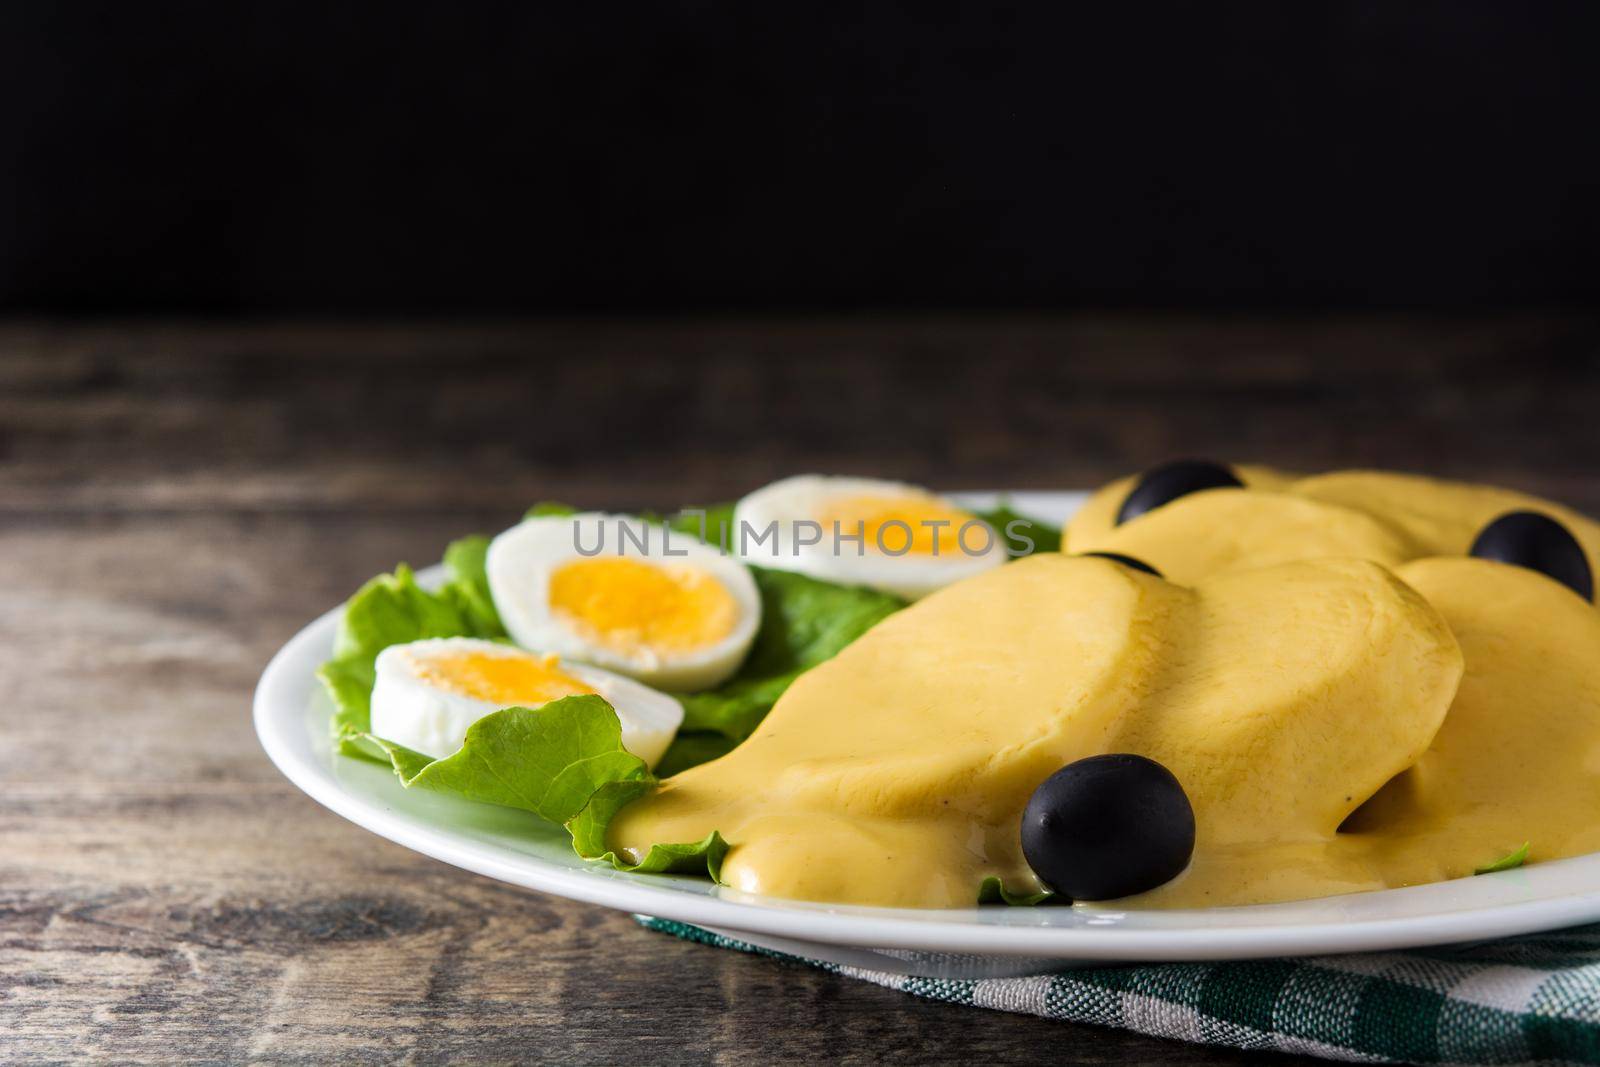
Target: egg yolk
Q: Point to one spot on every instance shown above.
(879, 519)
(627, 604)
(504, 680)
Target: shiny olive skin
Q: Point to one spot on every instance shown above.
(1166, 483)
(1126, 561)
(1539, 543)
(1108, 826)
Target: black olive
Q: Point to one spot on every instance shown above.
(1126, 561)
(1540, 543)
(1166, 483)
(1108, 826)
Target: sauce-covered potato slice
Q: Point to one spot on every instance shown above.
(897, 772)
(1518, 757)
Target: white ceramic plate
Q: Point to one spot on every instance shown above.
(291, 715)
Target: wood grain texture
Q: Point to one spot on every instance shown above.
(176, 500)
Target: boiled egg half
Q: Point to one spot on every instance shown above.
(627, 595)
(890, 536)
(429, 692)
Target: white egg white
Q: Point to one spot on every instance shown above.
(522, 559)
(779, 507)
(431, 718)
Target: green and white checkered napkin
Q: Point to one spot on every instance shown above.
(1533, 999)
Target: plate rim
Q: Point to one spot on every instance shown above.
(1486, 907)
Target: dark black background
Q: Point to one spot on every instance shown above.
(442, 158)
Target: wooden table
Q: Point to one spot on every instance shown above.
(177, 499)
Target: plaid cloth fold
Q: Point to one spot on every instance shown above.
(1533, 999)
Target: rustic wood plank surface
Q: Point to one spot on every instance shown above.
(177, 499)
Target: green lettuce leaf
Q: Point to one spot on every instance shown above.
(588, 826)
(713, 524)
(1507, 862)
(392, 609)
(588, 831)
(465, 561)
(549, 760)
(562, 761)
(803, 622)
